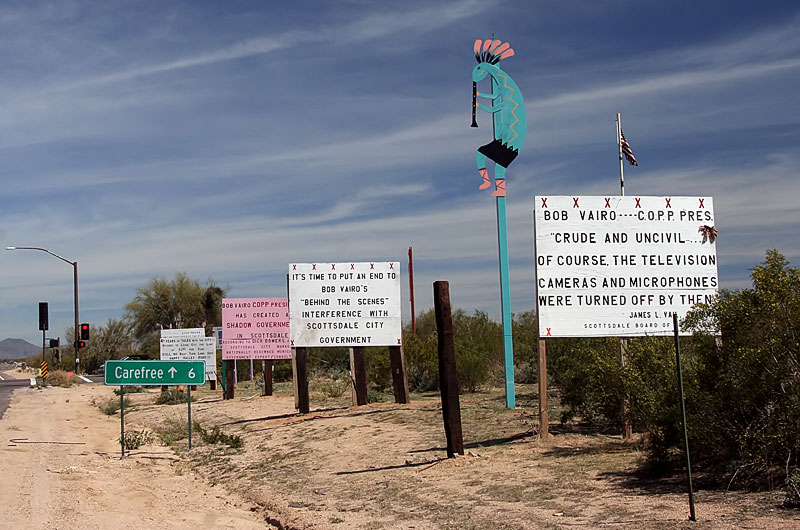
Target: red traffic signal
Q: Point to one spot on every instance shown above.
(80, 344)
(84, 331)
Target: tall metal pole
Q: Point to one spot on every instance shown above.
(505, 288)
(622, 343)
(77, 336)
(683, 416)
(411, 289)
(75, 296)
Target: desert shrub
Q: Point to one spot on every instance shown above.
(61, 378)
(111, 406)
(748, 386)
(172, 397)
(136, 439)
(332, 387)
(422, 361)
(472, 369)
(216, 436)
(793, 490)
(133, 389)
(172, 429)
(379, 368)
(525, 332)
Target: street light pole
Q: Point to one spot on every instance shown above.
(75, 297)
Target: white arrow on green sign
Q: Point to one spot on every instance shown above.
(120, 373)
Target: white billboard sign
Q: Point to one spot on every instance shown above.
(189, 345)
(620, 266)
(344, 304)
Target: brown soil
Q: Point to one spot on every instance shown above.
(378, 466)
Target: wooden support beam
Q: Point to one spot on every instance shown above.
(544, 416)
(397, 358)
(266, 367)
(448, 378)
(301, 376)
(230, 382)
(358, 367)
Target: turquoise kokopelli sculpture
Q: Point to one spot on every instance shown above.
(507, 110)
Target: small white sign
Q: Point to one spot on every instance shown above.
(185, 346)
(344, 304)
(621, 266)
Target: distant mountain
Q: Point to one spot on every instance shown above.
(17, 349)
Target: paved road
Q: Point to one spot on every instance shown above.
(7, 386)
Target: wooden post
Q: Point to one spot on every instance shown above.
(266, 366)
(544, 416)
(358, 366)
(301, 375)
(230, 383)
(627, 427)
(448, 378)
(397, 358)
(294, 379)
(212, 384)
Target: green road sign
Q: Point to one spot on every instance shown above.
(120, 373)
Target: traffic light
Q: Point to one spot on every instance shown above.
(54, 343)
(84, 331)
(80, 344)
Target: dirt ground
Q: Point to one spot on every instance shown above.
(378, 466)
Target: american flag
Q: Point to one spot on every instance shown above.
(626, 150)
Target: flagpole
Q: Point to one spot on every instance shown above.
(619, 148)
(622, 343)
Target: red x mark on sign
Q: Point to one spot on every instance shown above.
(701, 203)
(638, 204)
(548, 333)
(398, 342)
(391, 266)
(575, 202)
(292, 343)
(668, 204)
(544, 202)
(333, 266)
(352, 266)
(371, 266)
(313, 266)
(608, 202)
(294, 267)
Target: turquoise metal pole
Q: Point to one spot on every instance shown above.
(505, 302)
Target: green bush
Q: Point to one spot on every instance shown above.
(172, 430)
(133, 389)
(793, 490)
(172, 397)
(136, 439)
(216, 436)
(61, 378)
(111, 406)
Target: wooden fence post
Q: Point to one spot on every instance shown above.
(448, 378)
(358, 367)
(230, 383)
(266, 366)
(544, 416)
(397, 358)
(301, 375)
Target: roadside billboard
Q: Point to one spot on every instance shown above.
(620, 266)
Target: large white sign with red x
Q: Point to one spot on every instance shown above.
(344, 304)
(620, 266)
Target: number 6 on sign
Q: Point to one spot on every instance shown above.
(191, 373)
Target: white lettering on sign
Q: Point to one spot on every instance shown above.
(138, 373)
(345, 304)
(621, 266)
(255, 328)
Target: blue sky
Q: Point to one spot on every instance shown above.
(227, 139)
